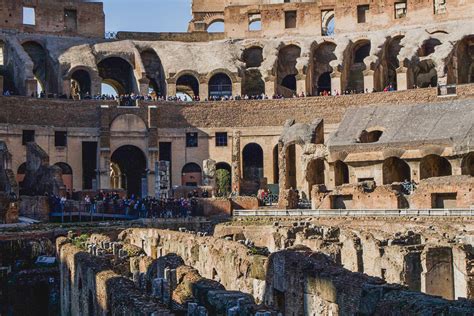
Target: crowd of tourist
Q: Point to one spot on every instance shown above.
(132, 206)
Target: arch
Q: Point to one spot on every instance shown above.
(370, 136)
(154, 71)
(319, 74)
(341, 173)
(386, 72)
(132, 164)
(43, 69)
(315, 173)
(328, 23)
(434, 166)
(252, 56)
(252, 161)
(223, 178)
(395, 170)
(428, 47)
(425, 74)
(80, 84)
(191, 175)
(187, 84)
(465, 60)
(467, 164)
(128, 123)
(118, 73)
(253, 84)
(216, 26)
(360, 50)
(220, 86)
(67, 175)
(286, 69)
(276, 166)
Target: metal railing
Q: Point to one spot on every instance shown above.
(356, 213)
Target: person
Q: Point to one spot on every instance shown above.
(87, 201)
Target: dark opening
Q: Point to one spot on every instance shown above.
(434, 166)
(362, 13)
(252, 156)
(370, 137)
(341, 173)
(89, 164)
(289, 82)
(395, 170)
(361, 53)
(324, 83)
(117, 73)
(188, 84)
(290, 19)
(70, 20)
(132, 164)
(28, 136)
(253, 57)
(154, 71)
(221, 139)
(220, 86)
(276, 167)
(191, 139)
(60, 139)
(83, 86)
(467, 165)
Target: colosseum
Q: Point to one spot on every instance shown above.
(310, 157)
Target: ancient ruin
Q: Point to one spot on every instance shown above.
(310, 158)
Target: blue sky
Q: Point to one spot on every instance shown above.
(147, 15)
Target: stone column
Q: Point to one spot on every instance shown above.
(203, 91)
(414, 170)
(456, 166)
(236, 88)
(301, 84)
(236, 163)
(104, 168)
(144, 84)
(171, 89)
(270, 87)
(402, 78)
(336, 82)
(368, 80)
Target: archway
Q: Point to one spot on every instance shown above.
(327, 23)
(80, 84)
(386, 74)
(252, 157)
(253, 84)
(191, 175)
(67, 175)
(286, 70)
(395, 170)
(118, 73)
(154, 71)
(370, 137)
(315, 174)
(8, 82)
(355, 80)
(132, 164)
(467, 164)
(42, 66)
(425, 74)
(223, 178)
(465, 60)
(216, 26)
(187, 84)
(220, 86)
(434, 166)
(341, 173)
(321, 70)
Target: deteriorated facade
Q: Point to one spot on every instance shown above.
(303, 48)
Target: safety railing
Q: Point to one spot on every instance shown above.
(355, 213)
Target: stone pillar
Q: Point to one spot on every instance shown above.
(336, 82)
(236, 163)
(236, 88)
(31, 86)
(270, 87)
(414, 170)
(301, 85)
(368, 80)
(402, 78)
(143, 85)
(437, 277)
(456, 166)
(171, 89)
(203, 91)
(103, 170)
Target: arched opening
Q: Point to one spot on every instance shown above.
(355, 81)
(328, 23)
(223, 179)
(341, 173)
(276, 166)
(324, 84)
(286, 70)
(255, 25)
(20, 175)
(191, 175)
(315, 173)
(131, 164)
(66, 175)
(220, 86)
(188, 84)
(428, 47)
(216, 26)
(434, 166)
(387, 70)
(252, 157)
(395, 170)
(8, 83)
(467, 164)
(465, 60)
(108, 90)
(42, 66)
(80, 84)
(154, 72)
(117, 73)
(253, 84)
(425, 74)
(370, 137)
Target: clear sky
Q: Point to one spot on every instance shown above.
(147, 15)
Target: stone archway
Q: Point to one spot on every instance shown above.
(80, 84)
(119, 74)
(434, 166)
(253, 84)
(220, 86)
(320, 73)
(395, 170)
(154, 72)
(356, 67)
(187, 84)
(287, 71)
(191, 175)
(132, 165)
(43, 69)
(467, 165)
(341, 173)
(315, 173)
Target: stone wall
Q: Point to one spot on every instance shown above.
(229, 262)
(35, 207)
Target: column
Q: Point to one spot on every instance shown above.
(368, 80)
(143, 85)
(270, 87)
(236, 88)
(336, 82)
(103, 170)
(171, 91)
(402, 78)
(203, 90)
(236, 163)
(301, 84)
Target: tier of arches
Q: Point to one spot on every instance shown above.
(359, 67)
